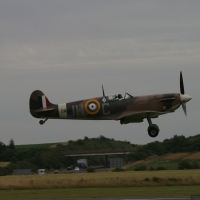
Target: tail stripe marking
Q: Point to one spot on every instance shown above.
(43, 101)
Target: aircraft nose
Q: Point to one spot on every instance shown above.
(185, 97)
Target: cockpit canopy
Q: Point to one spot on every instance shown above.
(115, 97)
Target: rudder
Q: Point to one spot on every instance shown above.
(39, 103)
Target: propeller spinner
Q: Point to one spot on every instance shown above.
(184, 97)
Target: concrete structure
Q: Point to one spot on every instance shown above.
(22, 172)
(101, 152)
(116, 162)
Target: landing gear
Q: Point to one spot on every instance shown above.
(43, 121)
(153, 129)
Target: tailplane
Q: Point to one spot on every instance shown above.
(39, 105)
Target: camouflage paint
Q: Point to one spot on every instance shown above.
(130, 110)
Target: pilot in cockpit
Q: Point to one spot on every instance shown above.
(118, 97)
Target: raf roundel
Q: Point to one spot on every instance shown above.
(92, 106)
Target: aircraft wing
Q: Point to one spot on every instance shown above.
(139, 116)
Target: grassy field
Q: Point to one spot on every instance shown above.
(105, 184)
(169, 165)
(194, 156)
(104, 179)
(160, 191)
(175, 156)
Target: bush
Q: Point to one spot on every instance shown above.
(147, 179)
(174, 179)
(156, 179)
(161, 168)
(151, 169)
(195, 165)
(188, 165)
(141, 168)
(118, 170)
(184, 165)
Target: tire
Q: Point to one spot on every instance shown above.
(41, 122)
(153, 130)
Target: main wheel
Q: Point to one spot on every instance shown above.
(153, 130)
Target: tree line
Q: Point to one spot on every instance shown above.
(53, 158)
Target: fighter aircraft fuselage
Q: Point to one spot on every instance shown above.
(126, 109)
(111, 108)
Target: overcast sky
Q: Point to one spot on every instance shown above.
(68, 49)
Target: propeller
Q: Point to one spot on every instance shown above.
(184, 108)
(184, 97)
(181, 83)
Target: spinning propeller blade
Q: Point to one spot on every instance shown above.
(184, 108)
(181, 83)
(184, 97)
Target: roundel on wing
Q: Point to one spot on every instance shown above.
(92, 106)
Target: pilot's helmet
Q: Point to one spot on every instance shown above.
(119, 96)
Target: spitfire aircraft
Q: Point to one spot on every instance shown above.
(127, 109)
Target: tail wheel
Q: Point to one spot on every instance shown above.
(153, 130)
(41, 122)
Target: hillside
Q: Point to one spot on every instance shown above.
(50, 156)
(174, 145)
(84, 144)
(171, 161)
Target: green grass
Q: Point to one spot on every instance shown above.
(33, 186)
(167, 191)
(137, 175)
(104, 179)
(169, 165)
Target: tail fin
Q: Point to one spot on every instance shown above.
(39, 103)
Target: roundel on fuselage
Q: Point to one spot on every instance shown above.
(92, 106)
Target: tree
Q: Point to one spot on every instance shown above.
(86, 138)
(195, 165)
(11, 144)
(155, 147)
(184, 165)
(2, 147)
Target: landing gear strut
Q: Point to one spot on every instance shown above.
(43, 121)
(153, 129)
